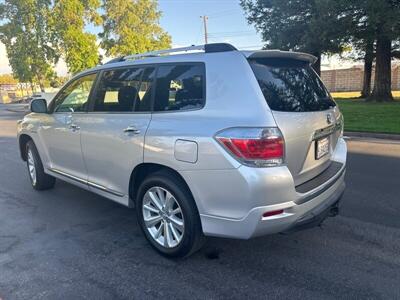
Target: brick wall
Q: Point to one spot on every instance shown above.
(347, 80)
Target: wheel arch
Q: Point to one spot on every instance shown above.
(23, 140)
(140, 172)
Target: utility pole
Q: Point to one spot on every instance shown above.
(205, 18)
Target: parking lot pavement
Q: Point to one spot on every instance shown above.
(69, 243)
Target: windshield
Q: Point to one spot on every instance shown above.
(291, 85)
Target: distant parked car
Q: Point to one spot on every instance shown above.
(222, 143)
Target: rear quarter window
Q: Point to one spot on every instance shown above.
(291, 85)
(180, 87)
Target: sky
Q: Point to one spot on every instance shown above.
(226, 22)
(181, 19)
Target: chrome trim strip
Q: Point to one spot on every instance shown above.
(92, 184)
(320, 133)
(104, 189)
(69, 176)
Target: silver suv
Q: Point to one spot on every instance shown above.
(210, 141)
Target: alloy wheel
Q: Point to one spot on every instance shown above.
(31, 167)
(163, 217)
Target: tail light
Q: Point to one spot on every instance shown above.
(256, 147)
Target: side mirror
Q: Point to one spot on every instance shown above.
(39, 106)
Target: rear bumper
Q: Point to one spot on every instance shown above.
(316, 216)
(295, 216)
(232, 202)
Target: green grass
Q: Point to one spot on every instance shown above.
(370, 117)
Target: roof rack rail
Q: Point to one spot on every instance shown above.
(207, 48)
(114, 60)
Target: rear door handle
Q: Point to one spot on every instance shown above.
(131, 129)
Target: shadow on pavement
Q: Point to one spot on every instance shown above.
(71, 243)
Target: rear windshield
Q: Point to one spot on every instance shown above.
(291, 85)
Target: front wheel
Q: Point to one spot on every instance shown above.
(39, 179)
(168, 215)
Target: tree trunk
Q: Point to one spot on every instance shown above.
(40, 81)
(21, 89)
(383, 70)
(368, 61)
(317, 65)
(33, 91)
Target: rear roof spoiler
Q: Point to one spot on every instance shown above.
(281, 54)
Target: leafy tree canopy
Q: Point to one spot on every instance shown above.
(27, 39)
(132, 27)
(78, 47)
(38, 32)
(7, 79)
(313, 26)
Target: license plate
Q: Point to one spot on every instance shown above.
(321, 147)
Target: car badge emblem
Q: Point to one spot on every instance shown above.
(329, 118)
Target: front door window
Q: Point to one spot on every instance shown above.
(74, 98)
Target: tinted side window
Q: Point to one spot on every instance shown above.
(74, 97)
(117, 90)
(179, 87)
(143, 101)
(291, 85)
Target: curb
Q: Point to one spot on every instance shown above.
(384, 136)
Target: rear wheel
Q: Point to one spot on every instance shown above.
(39, 179)
(168, 215)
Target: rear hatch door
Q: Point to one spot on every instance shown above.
(303, 110)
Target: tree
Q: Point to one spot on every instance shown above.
(375, 32)
(58, 81)
(316, 27)
(25, 33)
(132, 27)
(384, 17)
(368, 62)
(363, 42)
(7, 79)
(78, 47)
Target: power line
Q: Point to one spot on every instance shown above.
(229, 32)
(232, 34)
(223, 13)
(199, 34)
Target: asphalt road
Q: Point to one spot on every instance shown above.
(70, 244)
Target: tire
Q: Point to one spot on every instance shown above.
(39, 179)
(190, 234)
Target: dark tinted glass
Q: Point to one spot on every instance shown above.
(179, 87)
(143, 101)
(118, 90)
(291, 85)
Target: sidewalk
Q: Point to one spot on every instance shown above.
(373, 135)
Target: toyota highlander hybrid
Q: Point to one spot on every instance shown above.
(202, 141)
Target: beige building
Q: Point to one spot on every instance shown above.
(348, 80)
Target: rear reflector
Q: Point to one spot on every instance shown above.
(261, 147)
(272, 213)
